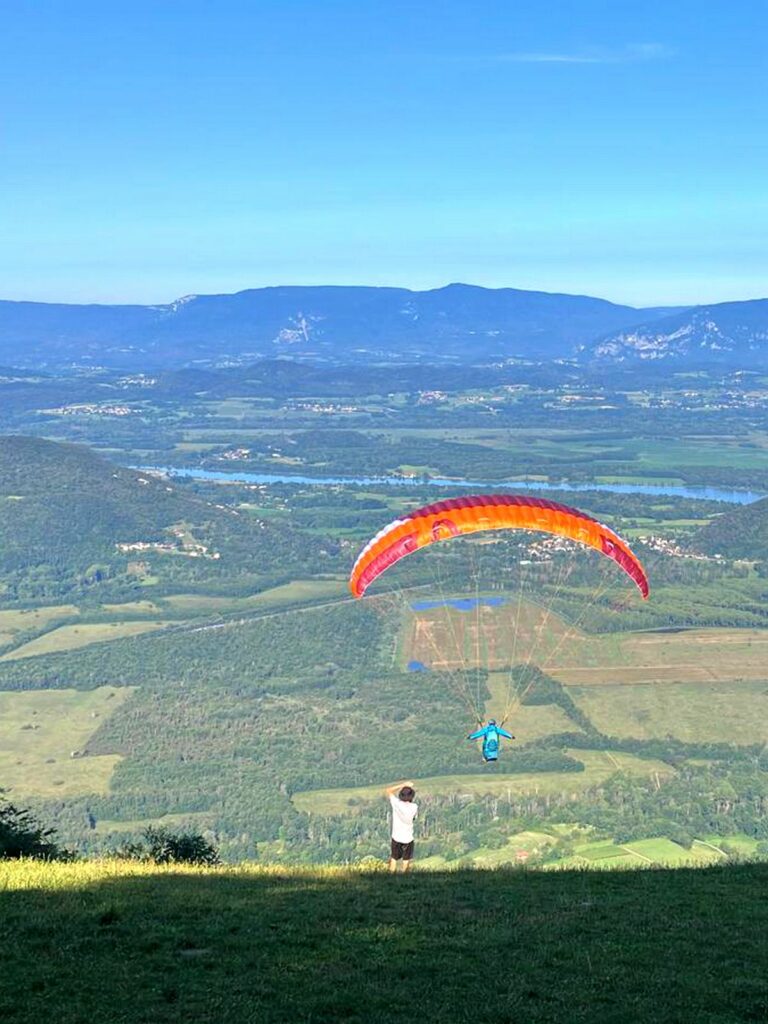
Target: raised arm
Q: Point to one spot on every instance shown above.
(392, 790)
(478, 735)
(503, 732)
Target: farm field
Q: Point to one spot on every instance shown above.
(599, 765)
(15, 621)
(191, 819)
(662, 852)
(528, 722)
(70, 638)
(646, 458)
(695, 712)
(40, 731)
(132, 618)
(295, 592)
(518, 849)
(601, 854)
(499, 636)
(131, 608)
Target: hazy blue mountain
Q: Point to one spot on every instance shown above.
(458, 322)
(732, 333)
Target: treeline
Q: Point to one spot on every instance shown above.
(275, 652)
(695, 802)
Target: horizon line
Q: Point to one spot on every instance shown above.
(378, 287)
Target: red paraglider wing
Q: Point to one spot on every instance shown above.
(456, 516)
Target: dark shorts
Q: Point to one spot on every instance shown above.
(402, 851)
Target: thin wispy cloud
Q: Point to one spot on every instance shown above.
(623, 55)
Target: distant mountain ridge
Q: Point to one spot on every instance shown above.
(459, 323)
(722, 333)
(462, 323)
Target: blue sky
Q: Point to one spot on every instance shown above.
(154, 149)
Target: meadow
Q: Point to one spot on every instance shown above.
(55, 629)
(596, 854)
(43, 741)
(70, 638)
(14, 622)
(704, 711)
(118, 943)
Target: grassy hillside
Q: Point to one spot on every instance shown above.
(599, 765)
(64, 500)
(116, 943)
(76, 527)
(44, 739)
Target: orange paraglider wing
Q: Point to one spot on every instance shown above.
(456, 516)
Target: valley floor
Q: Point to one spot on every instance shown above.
(111, 942)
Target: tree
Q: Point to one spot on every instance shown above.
(21, 835)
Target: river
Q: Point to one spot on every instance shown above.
(732, 497)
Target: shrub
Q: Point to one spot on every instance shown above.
(21, 835)
(162, 846)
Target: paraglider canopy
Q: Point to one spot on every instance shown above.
(455, 517)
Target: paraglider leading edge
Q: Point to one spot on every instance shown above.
(454, 517)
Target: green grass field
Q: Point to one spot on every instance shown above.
(69, 638)
(130, 608)
(601, 854)
(518, 848)
(39, 732)
(15, 621)
(598, 854)
(133, 618)
(284, 596)
(531, 722)
(696, 712)
(599, 765)
(190, 820)
(120, 943)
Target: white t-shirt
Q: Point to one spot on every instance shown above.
(403, 814)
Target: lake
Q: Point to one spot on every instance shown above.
(732, 497)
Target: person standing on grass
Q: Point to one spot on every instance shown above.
(404, 810)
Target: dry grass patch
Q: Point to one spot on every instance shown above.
(41, 730)
(496, 637)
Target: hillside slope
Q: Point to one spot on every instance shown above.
(69, 517)
(729, 333)
(459, 321)
(742, 533)
(63, 502)
(252, 944)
